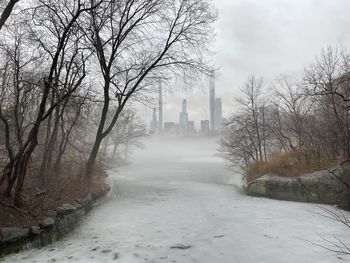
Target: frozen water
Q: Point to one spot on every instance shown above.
(179, 193)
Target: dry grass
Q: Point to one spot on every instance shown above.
(61, 189)
(288, 164)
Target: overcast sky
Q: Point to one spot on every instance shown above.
(265, 38)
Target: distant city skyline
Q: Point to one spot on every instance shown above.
(284, 48)
(214, 114)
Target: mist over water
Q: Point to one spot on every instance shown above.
(184, 149)
(178, 193)
(192, 158)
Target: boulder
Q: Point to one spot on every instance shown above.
(318, 187)
(86, 203)
(344, 201)
(101, 192)
(65, 209)
(10, 234)
(35, 230)
(68, 222)
(47, 222)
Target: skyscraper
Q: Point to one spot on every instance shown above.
(183, 117)
(160, 124)
(212, 101)
(218, 114)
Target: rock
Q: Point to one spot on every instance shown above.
(86, 202)
(115, 256)
(345, 171)
(101, 193)
(9, 234)
(317, 187)
(77, 205)
(35, 230)
(344, 201)
(65, 209)
(47, 222)
(67, 223)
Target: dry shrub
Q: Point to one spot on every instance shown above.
(288, 164)
(62, 188)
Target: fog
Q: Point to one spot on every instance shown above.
(178, 193)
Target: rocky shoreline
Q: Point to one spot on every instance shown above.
(50, 229)
(324, 187)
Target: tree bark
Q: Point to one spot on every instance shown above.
(7, 12)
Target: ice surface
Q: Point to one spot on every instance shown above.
(180, 192)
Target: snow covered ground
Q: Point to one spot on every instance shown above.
(179, 193)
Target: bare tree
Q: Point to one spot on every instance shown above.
(127, 131)
(327, 81)
(138, 41)
(69, 119)
(293, 108)
(64, 53)
(246, 137)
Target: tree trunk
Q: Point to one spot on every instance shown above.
(6, 172)
(61, 149)
(11, 178)
(18, 200)
(44, 159)
(51, 138)
(105, 146)
(91, 161)
(99, 135)
(57, 165)
(7, 12)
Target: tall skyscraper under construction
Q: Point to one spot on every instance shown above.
(215, 106)
(212, 101)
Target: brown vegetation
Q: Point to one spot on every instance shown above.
(288, 164)
(38, 203)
